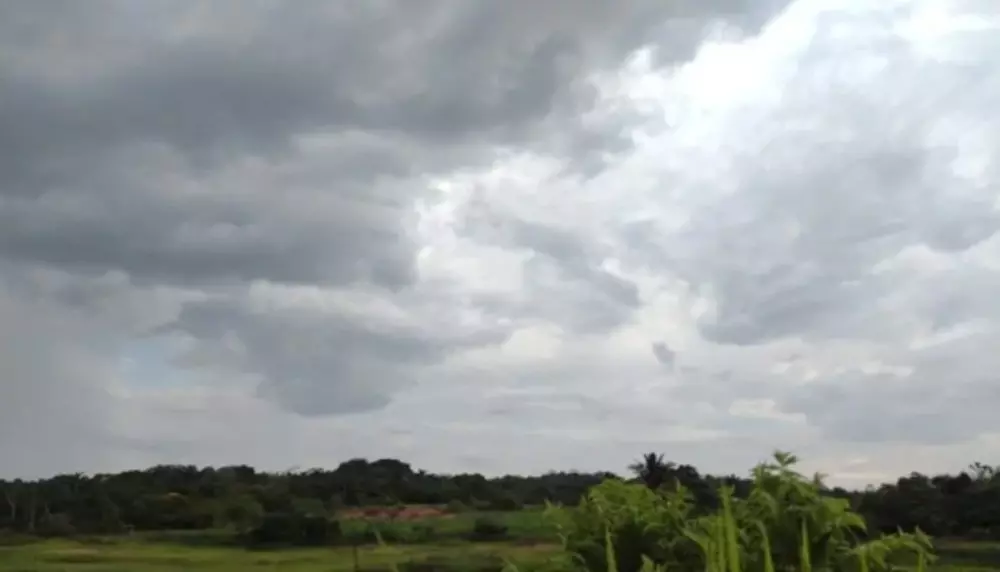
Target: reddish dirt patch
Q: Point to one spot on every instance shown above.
(408, 512)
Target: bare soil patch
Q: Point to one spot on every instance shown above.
(406, 512)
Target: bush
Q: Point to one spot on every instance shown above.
(456, 506)
(639, 523)
(506, 503)
(294, 530)
(486, 528)
(479, 505)
(56, 525)
(423, 533)
(785, 523)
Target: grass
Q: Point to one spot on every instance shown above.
(962, 555)
(140, 555)
(526, 525)
(433, 543)
(530, 545)
(129, 555)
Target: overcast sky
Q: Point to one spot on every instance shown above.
(499, 236)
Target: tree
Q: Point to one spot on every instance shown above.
(180, 497)
(652, 470)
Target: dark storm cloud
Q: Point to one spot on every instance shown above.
(237, 76)
(157, 155)
(193, 88)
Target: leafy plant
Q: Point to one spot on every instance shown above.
(486, 528)
(786, 523)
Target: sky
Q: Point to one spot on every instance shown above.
(499, 236)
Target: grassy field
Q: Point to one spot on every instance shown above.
(959, 555)
(522, 525)
(425, 545)
(435, 543)
(138, 556)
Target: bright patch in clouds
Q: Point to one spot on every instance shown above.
(715, 233)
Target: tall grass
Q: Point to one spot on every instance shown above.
(785, 524)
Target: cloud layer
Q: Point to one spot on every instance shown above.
(285, 235)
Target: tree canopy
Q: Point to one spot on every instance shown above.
(182, 497)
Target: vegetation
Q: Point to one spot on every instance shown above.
(668, 517)
(784, 523)
(122, 554)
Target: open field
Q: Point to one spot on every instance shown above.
(970, 556)
(138, 555)
(429, 540)
(528, 544)
(521, 525)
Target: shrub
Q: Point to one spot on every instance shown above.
(56, 525)
(456, 506)
(785, 523)
(506, 503)
(479, 505)
(423, 533)
(486, 528)
(639, 523)
(294, 530)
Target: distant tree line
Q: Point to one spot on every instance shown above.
(239, 498)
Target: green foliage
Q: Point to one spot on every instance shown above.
(486, 529)
(639, 521)
(138, 554)
(653, 470)
(505, 502)
(784, 523)
(289, 529)
(235, 498)
(373, 533)
(56, 525)
(241, 512)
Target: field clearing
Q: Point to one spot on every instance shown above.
(526, 524)
(121, 555)
(436, 541)
(142, 555)
(130, 555)
(433, 541)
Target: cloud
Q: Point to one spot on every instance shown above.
(664, 354)
(458, 222)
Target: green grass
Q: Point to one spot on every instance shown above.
(527, 524)
(139, 555)
(961, 555)
(441, 541)
(530, 539)
(529, 545)
(129, 555)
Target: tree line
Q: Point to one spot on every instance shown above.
(182, 497)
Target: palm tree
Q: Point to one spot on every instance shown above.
(652, 470)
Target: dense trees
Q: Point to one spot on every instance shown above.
(240, 498)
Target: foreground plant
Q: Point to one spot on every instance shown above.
(785, 524)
